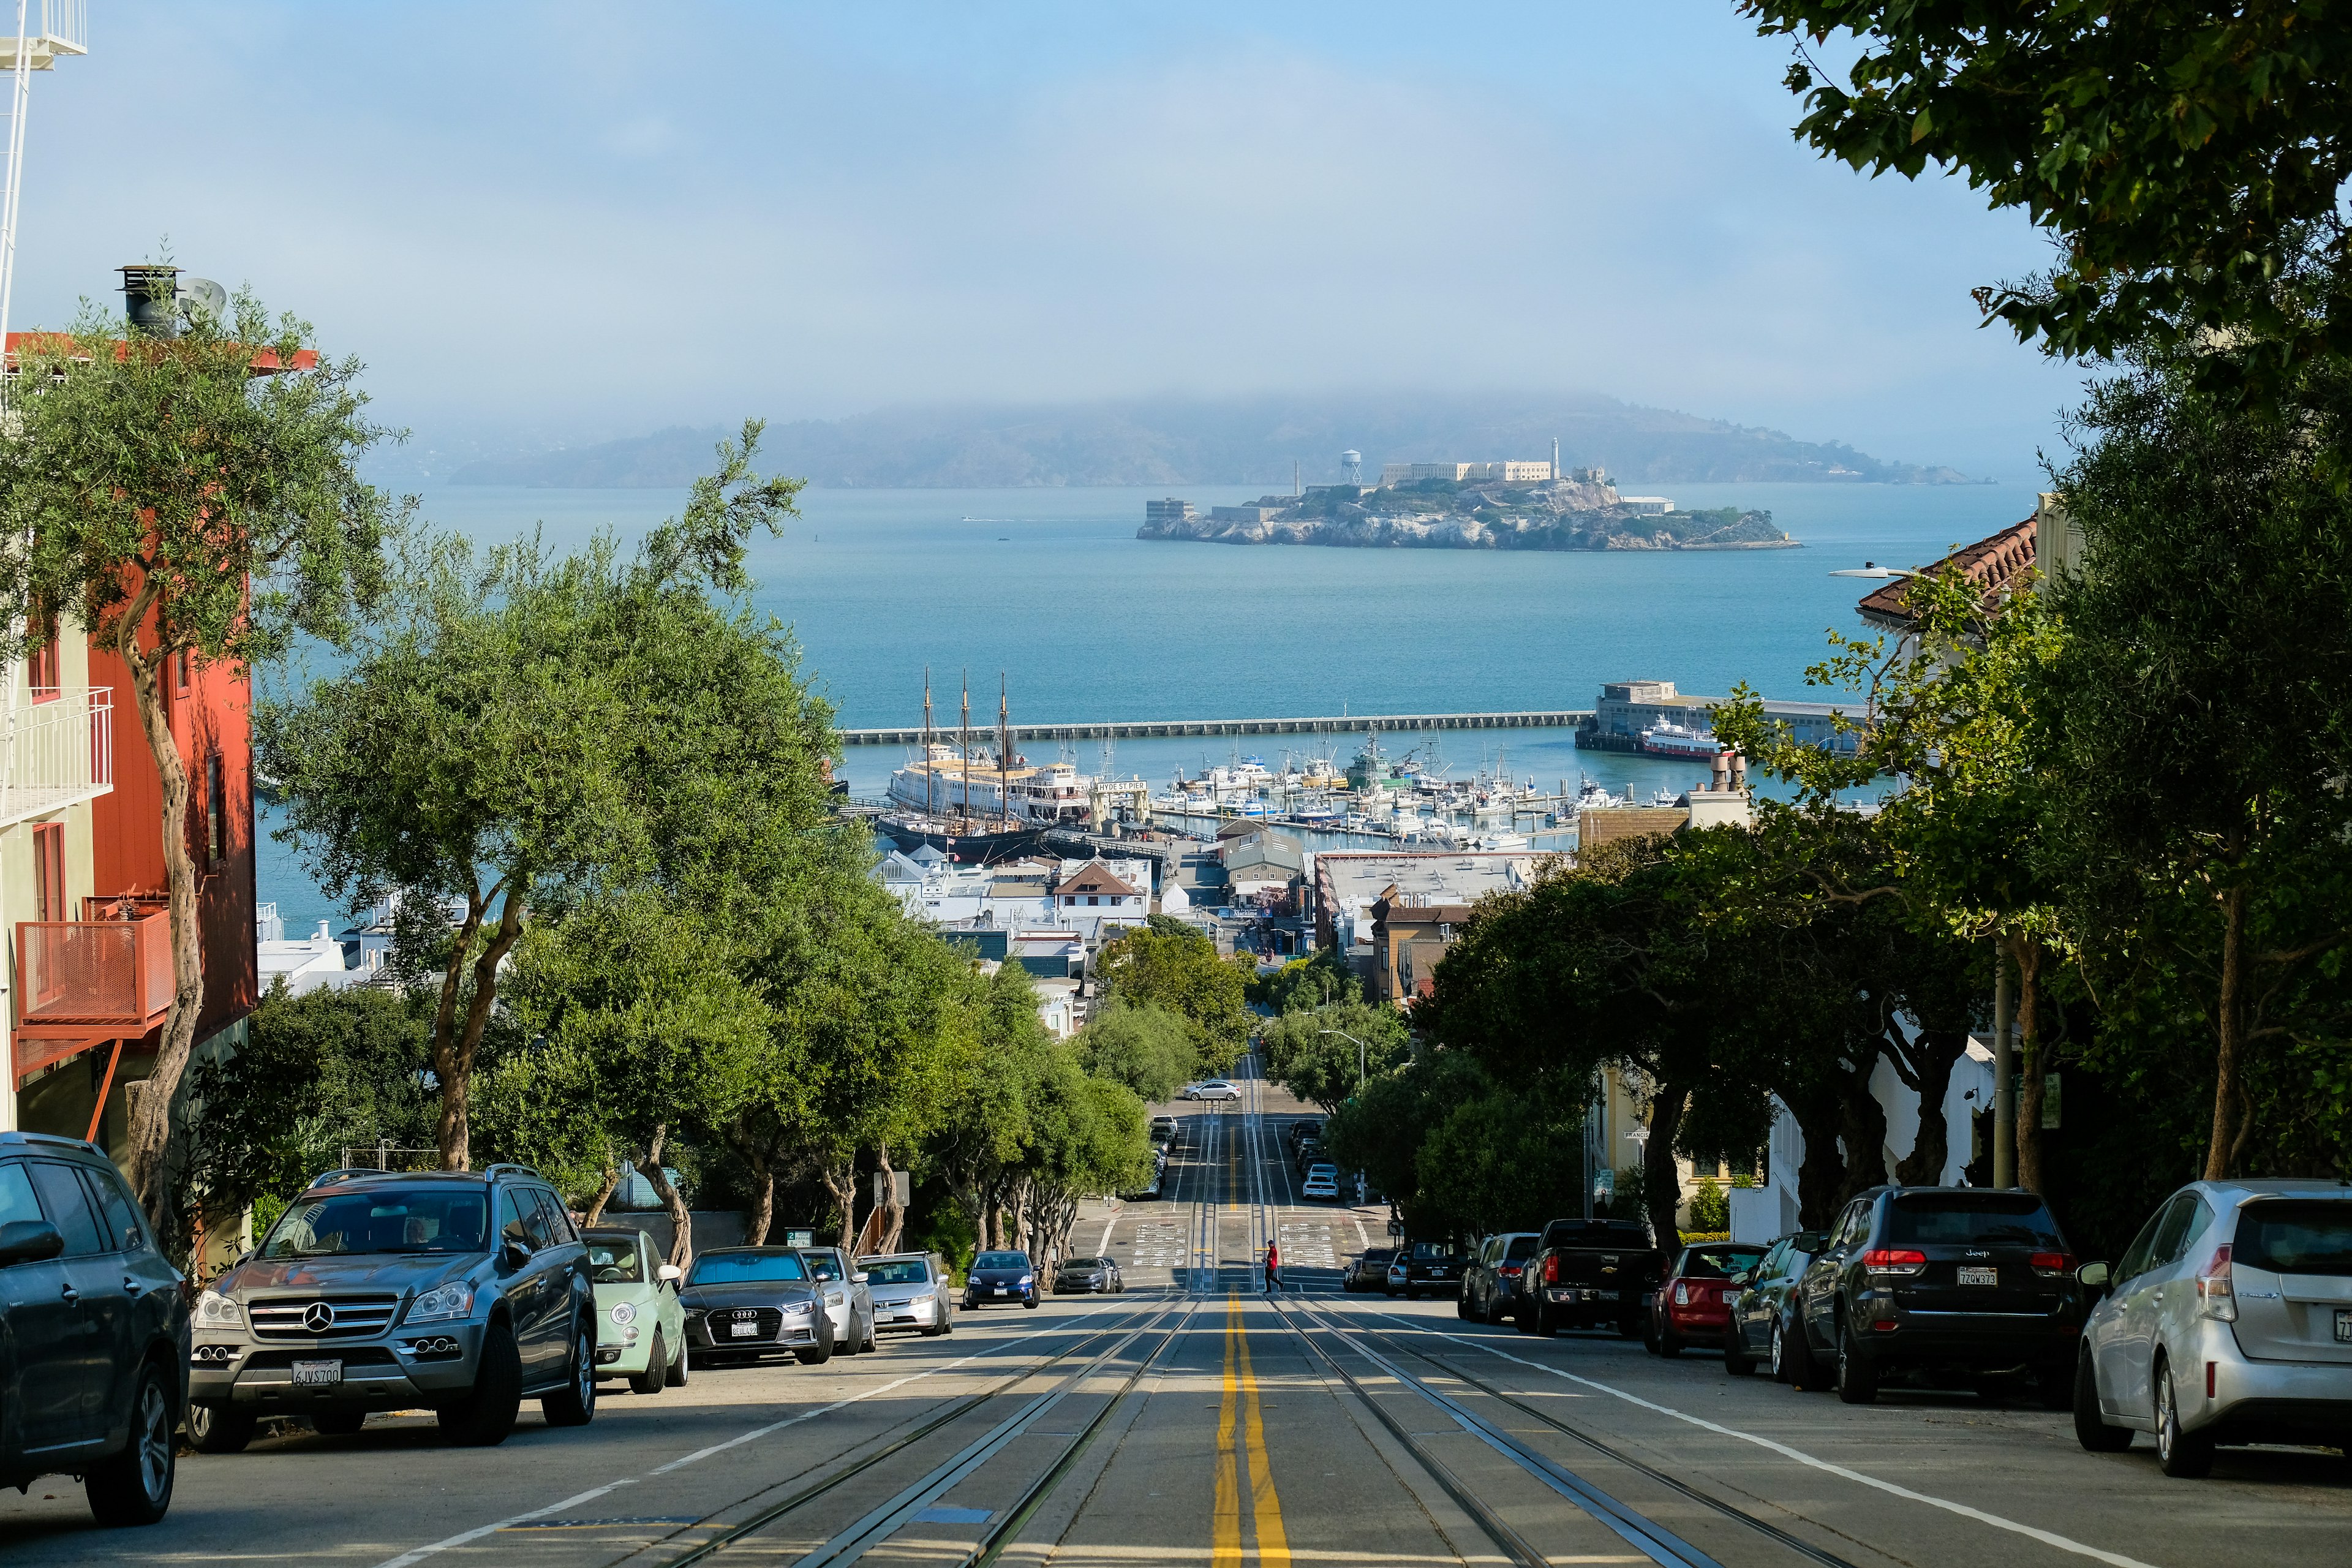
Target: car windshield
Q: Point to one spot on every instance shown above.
(1081, 1265)
(2296, 1238)
(906, 1271)
(746, 1268)
(1717, 1262)
(1002, 1260)
(822, 1265)
(1522, 1248)
(1433, 1250)
(407, 1219)
(613, 1260)
(1379, 1255)
(1958, 1218)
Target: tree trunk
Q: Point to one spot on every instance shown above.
(1662, 1188)
(1821, 1176)
(893, 1214)
(763, 1202)
(452, 1059)
(681, 1246)
(1862, 1129)
(1934, 1054)
(841, 1181)
(603, 1194)
(2030, 1067)
(2223, 1143)
(150, 1131)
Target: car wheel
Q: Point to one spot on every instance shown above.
(2185, 1455)
(1525, 1319)
(656, 1378)
(483, 1417)
(1462, 1306)
(854, 1342)
(1735, 1360)
(873, 1336)
(1030, 1302)
(822, 1350)
(220, 1428)
(2091, 1428)
(1547, 1323)
(134, 1486)
(674, 1376)
(338, 1423)
(1800, 1369)
(1650, 1334)
(1670, 1343)
(574, 1404)
(1857, 1379)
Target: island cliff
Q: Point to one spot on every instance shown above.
(1575, 513)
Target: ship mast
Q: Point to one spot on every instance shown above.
(1004, 748)
(963, 745)
(927, 741)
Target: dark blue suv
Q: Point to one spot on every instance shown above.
(93, 1331)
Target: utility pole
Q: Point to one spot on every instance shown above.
(2004, 1078)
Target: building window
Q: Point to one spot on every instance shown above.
(1092, 899)
(180, 672)
(41, 669)
(49, 872)
(215, 811)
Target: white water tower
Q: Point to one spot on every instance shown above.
(1351, 466)
(45, 30)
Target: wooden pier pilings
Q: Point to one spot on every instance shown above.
(1150, 728)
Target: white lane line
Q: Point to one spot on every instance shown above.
(466, 1537)
(2047, 1538)
(1363, 1242)
(1104, 1246)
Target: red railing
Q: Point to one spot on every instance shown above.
(83, 982)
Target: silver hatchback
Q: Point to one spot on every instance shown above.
(2228, 1321)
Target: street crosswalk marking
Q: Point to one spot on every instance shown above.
(1308, 1243)
(1158, 1246)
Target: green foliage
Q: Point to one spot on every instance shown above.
(1505, 1160)
(522, 733)
(1382, 1130)
(1710, 1210)
(2176, 150)
(319, 1073)
(1148, 1048)
(1310, 1053)
(1168, 963)
(1321, 977)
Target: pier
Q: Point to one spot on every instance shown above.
(1153, 729)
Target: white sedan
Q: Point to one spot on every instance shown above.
(1322, 1185)
(1215, 1089)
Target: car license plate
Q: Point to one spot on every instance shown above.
(742, 1331)
(317, 1373)
(1980, 1276)
(2343, 1326)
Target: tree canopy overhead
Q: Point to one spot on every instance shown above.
(2178, 151)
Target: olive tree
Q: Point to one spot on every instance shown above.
(186, 497)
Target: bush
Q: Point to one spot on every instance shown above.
(1710, 1210)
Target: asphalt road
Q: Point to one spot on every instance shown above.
(1195, 1420)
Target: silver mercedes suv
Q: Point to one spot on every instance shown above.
(460, 1291)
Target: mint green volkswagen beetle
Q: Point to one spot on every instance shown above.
(640, 1327)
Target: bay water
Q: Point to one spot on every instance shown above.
(1084, 621)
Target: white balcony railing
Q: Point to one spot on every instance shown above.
(56, 752)
(52, 27)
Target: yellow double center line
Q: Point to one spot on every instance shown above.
(1241, 1398)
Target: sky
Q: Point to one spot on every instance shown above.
(568, 222)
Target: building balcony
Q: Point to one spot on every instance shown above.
(81, 983)
(56, 751)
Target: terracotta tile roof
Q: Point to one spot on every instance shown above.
(1096, 878)
(1995, 563)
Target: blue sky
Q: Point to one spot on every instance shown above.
(574, 221)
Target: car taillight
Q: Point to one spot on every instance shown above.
(2217, 1296)
(1894, 1260)
(2050, 1265)
(1682, 1294)
(1506, 1268)
(1551, 1271)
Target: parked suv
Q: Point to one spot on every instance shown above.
(93, 1331)
(1966, 1280)
(462, 1291)
(1490, 1282)
(2228, 1320)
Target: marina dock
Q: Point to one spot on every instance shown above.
(1326, 724)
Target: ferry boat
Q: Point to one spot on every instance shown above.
(1668, 739)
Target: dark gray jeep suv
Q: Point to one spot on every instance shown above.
(458, 1290)
(93, 1331)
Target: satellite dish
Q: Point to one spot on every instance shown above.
(202, 295)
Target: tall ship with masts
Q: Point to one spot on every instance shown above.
(978, 803)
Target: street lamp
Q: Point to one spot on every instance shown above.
(1359, 1054)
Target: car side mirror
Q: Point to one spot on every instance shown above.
(858, 1279)
(514, 1254)
(2094, 1275)
(29, 1241)
(669, 1274)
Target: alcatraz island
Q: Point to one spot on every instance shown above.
(1468, 506)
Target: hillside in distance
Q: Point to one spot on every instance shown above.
(1175, 441)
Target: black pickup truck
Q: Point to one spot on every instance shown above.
(1587, 1273)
